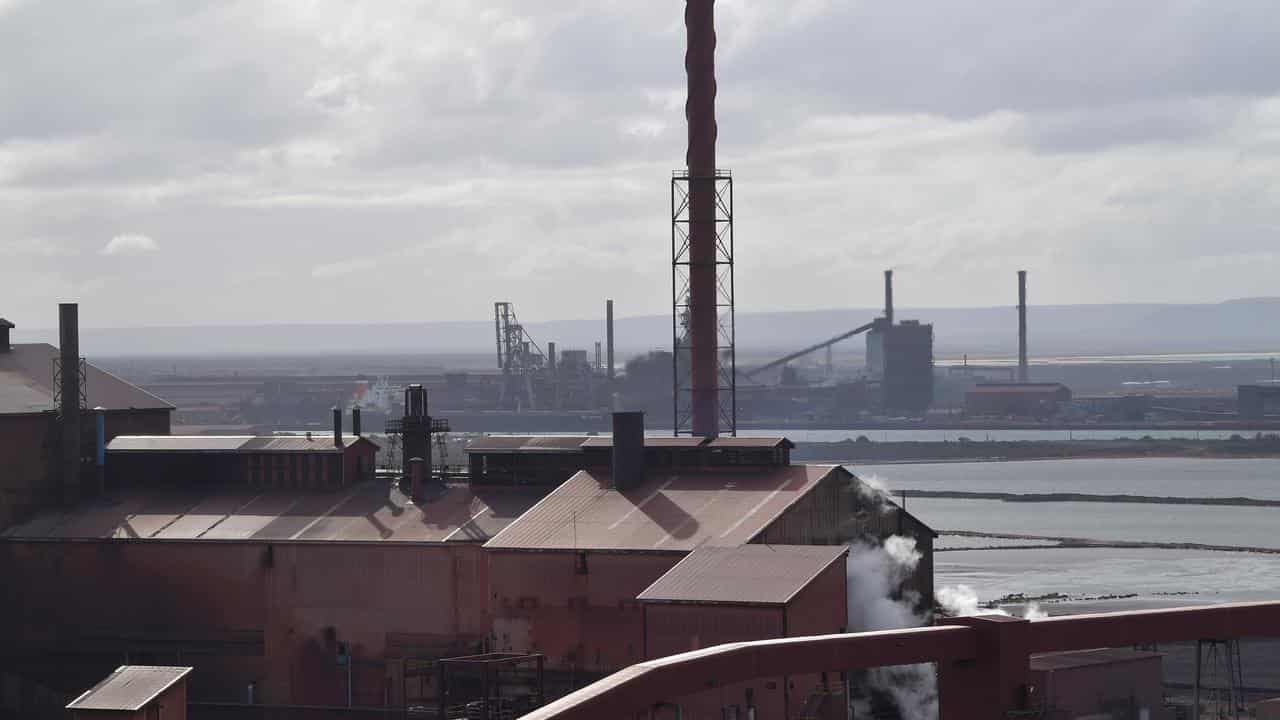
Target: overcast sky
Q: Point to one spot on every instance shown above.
(175, 161)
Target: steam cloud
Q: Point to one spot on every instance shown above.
(962, 601)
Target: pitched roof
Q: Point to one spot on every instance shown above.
(129, 688)
(762, 443)
(669, 511)
(363, 513)
(26, 384)
(491, 444)
(683, 441)
(213, 444)
(1090, 658)
(745, 575)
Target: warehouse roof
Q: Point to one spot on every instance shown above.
(129, 688)
(363, 513)
(762, 443)
(684, 441)
(26, 384)
(669, 511)
(1029, 388)
(212, 444)
(1089, 658)
(745, 575)
(527, 443)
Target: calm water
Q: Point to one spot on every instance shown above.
(1005, 435)
(1176, 477)
(1157, 576)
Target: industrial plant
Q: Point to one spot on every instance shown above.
(417, 545)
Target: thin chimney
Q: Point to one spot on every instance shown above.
(628, 450)
(337, 426)
(888, 296)
(355, 420)
(69, 390)
(608, 321)
(1023, 373)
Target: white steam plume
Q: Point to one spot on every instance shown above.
(962, 601)
(874, 572)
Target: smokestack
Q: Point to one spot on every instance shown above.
(888, 296)
(355, 421)
(5, 327)
(337, 426)
(1022, 326)
(700, 111)
(417, 478)
(628, 450)
(551, 357)
(69, 389)
(608, 335)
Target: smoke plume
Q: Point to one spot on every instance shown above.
(874, 573)
(962, 601)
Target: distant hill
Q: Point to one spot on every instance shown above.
(1247, 325)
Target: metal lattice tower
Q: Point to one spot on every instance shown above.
(1223, 696)
(682, 267)
(519, 357)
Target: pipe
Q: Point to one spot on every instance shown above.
(69, 388)
(355, 421)
(888, 296)
(700, 111)
(608, 322)
(551, 357)
(100, 449)
(337, 426)
(1022, 326)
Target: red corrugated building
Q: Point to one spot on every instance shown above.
(721, 595)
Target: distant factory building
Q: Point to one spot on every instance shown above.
(1028, 400)
(1257, 401)
(31, 427)
(900, 361)
(1109, 682)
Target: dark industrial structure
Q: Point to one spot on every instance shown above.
(900, 360)
(52, 406)
(1019, 400)
(1023, 375)
(702, 306)
(1258, 401)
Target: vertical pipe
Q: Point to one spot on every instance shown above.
(355, 421)
(1022, 326)
(100, 449)
(888, 296)
(337, 426)
(551, 357)
(69, 344)
(608, 321)
(700, 111)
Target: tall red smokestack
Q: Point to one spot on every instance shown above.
(700, 111)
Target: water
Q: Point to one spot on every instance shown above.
(1158, 577)
(1002, 435)
(1174, 477)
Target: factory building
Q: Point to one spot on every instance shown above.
(719, 595)
(900, 363)
(342, 593)
(1257, 401)
(1026, 400)
(31, 427)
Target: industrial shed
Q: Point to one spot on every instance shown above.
(1016, 399)
(721, 595)
(29, 430)
(567, 574)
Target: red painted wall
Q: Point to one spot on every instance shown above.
(1103, 690)
(588, 622)
(242, 612)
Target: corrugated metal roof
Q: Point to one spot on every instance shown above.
(684, 441)
(527, 443)
(749, 574)
(365, 513)
(26, 384)
(1089, 658)
(208, 444)
(763, 443)
(129, 688)
(669, 511)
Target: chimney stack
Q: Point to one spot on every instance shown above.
(551, 357)
(69, 391)
(888, 296)
(608, 321)
(5, 327)
(417, 478)
(355, 420)
(628, 450)
(337, 426)
(1023, 374)
(703, 311)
